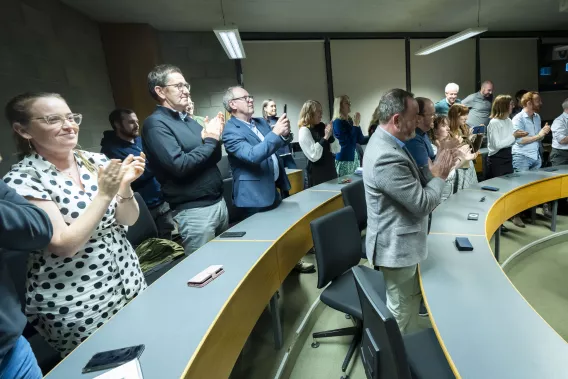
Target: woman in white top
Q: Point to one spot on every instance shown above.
(317, 143)
(501, 137)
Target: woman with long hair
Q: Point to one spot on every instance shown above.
(285, 152)
(89, 270)
(317, 143)
(457, 117)
(348, 131)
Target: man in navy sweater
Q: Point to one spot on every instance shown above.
(183, 156)
(24, 227)
(124, 140)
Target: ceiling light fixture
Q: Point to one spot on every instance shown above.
(456, 38)
(230, 39)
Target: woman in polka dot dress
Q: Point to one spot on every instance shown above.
(89, 271)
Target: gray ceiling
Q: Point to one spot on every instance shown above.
(330, 15)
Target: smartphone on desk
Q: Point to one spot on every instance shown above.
(489, 188)
(113, 358)
(206, 276)
(232, 234)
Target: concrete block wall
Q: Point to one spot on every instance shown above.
(47, 46)
(204, 64)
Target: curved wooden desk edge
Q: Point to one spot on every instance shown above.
(488, 234)
(219, 348)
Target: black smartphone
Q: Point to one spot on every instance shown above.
(113, 358)
(232, 234)
(489, 188)
(550, 169)
(463, 244)
(286, 108)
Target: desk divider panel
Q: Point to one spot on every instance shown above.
(495, 217)
(532, 195)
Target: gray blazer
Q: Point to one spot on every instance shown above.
(399, 200)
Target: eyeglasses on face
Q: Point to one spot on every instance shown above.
(179, 86)
(245, 98)
(59, 120)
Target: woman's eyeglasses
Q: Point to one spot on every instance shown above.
(59, 120)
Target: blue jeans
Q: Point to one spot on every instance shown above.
(523, 163)
(20, 362)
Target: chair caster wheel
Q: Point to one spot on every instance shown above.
(315, 344)
(348, 317)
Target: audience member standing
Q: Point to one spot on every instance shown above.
(183, 156)
(559, 154)
(25, 227)
(190, 112)
(420, 146)
(399, 200)
(318, 144)
(252, 146)
(125, 140)
(479, 105)
(465, 174)
(348, 133)
(438, 135)
(285, 152)
(89, 270)
(451, 91)
(501, 137)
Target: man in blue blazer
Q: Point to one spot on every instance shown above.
(252, 148)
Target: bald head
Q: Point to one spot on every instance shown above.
(487, 88)
(426, 112)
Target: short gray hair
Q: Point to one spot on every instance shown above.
(158, 77)
(391, 103)
(565, 104)
(451, 86)
(228, 96)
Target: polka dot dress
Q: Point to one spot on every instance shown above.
(67, 299)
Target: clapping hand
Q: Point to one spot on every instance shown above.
(545, 130)
(132, 168)
(110, 178)
(328, 131)
(357, 119)
(214, 127)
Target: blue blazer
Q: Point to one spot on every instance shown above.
(348, 136)
(249, 157)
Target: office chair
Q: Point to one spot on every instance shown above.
(145, 227)
(385, 353)
(337, 244)
(354, 195)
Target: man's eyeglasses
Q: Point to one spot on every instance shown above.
(59, 120)
(245, 98)
(179, 86)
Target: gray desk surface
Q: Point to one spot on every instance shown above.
(487, 327)
(171, 318)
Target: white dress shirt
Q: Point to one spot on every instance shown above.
(499, 135)
(560, 131)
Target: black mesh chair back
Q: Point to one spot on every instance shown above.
(145, 227)
(354, 196)
(337, 243)
(382, 346)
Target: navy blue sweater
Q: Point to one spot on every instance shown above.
(146, 185)
(348, 136)
(23, 227)
(184, 164)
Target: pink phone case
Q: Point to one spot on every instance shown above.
(206, 276)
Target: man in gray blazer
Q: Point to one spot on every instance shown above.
(399, 200)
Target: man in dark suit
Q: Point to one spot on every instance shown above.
(251, 145)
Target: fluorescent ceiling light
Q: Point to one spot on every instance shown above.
(561, 48)
(231, 41)
(451, 41)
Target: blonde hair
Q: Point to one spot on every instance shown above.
(454, 114)
(337, 107)
(308, 113)
(529, 96)
(264, 105)
(500, 107)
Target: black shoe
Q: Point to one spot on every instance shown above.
(304, 268)
(422, 311)
(504, 229)
(546, 210)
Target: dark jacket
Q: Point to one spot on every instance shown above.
(184, 164)
(348, 136)
(146, 185)
(252, 165)
(24, 227)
